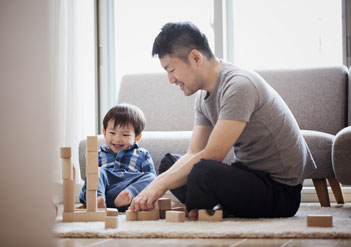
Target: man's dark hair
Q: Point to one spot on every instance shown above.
(178, 39)
(124, 115)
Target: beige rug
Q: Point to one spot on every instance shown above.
(294, 227)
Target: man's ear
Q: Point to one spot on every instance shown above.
(138, 137)
(196, 56)
(104, 132)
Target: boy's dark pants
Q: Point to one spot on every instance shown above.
(241, 191)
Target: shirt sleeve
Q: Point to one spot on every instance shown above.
(200, 118)
(239, 100)
(148, 164)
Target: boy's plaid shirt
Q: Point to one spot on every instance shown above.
(132, 159)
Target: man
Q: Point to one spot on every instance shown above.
(233, 107)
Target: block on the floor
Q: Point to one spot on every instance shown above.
(210, 215)
(162, 214)
(92, 181)
(84, 216)
(68, 195)
(163, 204)
(175, 216)
(112, 211)
(111, 222)
(92, 144)
(131, 215)
(67, 169)
(91, 200)
(92, 165)
(320, 220)
(65, 152)
(148, 215)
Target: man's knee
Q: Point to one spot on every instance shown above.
(203, 169)
(167, 161)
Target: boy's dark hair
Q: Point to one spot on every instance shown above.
(177, 39)
(126, 114)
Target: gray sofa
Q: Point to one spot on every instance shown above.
(317, 97)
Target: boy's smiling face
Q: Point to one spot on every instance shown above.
(119, 138)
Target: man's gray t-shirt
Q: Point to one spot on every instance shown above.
(271, 141)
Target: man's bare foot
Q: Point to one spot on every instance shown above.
(123, 199)
(101, 202)
(193, 214)
(81, 206)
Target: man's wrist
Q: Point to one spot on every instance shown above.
(161, 182)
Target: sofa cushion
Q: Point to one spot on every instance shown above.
(317, 97)
(320, 145)
(164, 105)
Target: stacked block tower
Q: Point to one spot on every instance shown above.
(69, 177)
(92, 213)
(92, 173)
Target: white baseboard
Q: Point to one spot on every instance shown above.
(308, 193)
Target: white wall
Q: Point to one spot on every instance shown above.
(26, 123)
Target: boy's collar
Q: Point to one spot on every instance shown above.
(107, 149)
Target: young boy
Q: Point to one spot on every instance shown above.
(125, 168)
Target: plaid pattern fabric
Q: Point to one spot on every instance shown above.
(132, 159)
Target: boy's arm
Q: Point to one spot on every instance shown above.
(148, 164)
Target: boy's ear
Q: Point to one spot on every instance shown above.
(138, 137)
(104, 131)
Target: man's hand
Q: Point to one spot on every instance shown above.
(146, 198)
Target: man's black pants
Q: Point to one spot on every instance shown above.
(241, 191)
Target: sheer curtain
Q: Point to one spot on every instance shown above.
(74, 78)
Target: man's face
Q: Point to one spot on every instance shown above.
(184, 75)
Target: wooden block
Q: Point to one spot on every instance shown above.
(162, 214)
(92, 144)
(163, 204)
(320, 220)
(175, 216)
(84, 216)
(131, 215)
(112, 211)
(92, 181)
(148, 215)
(67, 169)
(65, 152)
(92, 165)
(178, 209)
(68, 195)
(91, 200)
(111, 222)
(210, 215)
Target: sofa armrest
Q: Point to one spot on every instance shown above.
(341, 156)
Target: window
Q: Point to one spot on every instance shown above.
(275, 34)
(137, 23)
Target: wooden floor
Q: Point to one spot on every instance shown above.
(117, 242)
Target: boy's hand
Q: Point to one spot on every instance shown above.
(146, 198)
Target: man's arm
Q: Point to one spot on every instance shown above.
(206, 144)
(198, 142)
